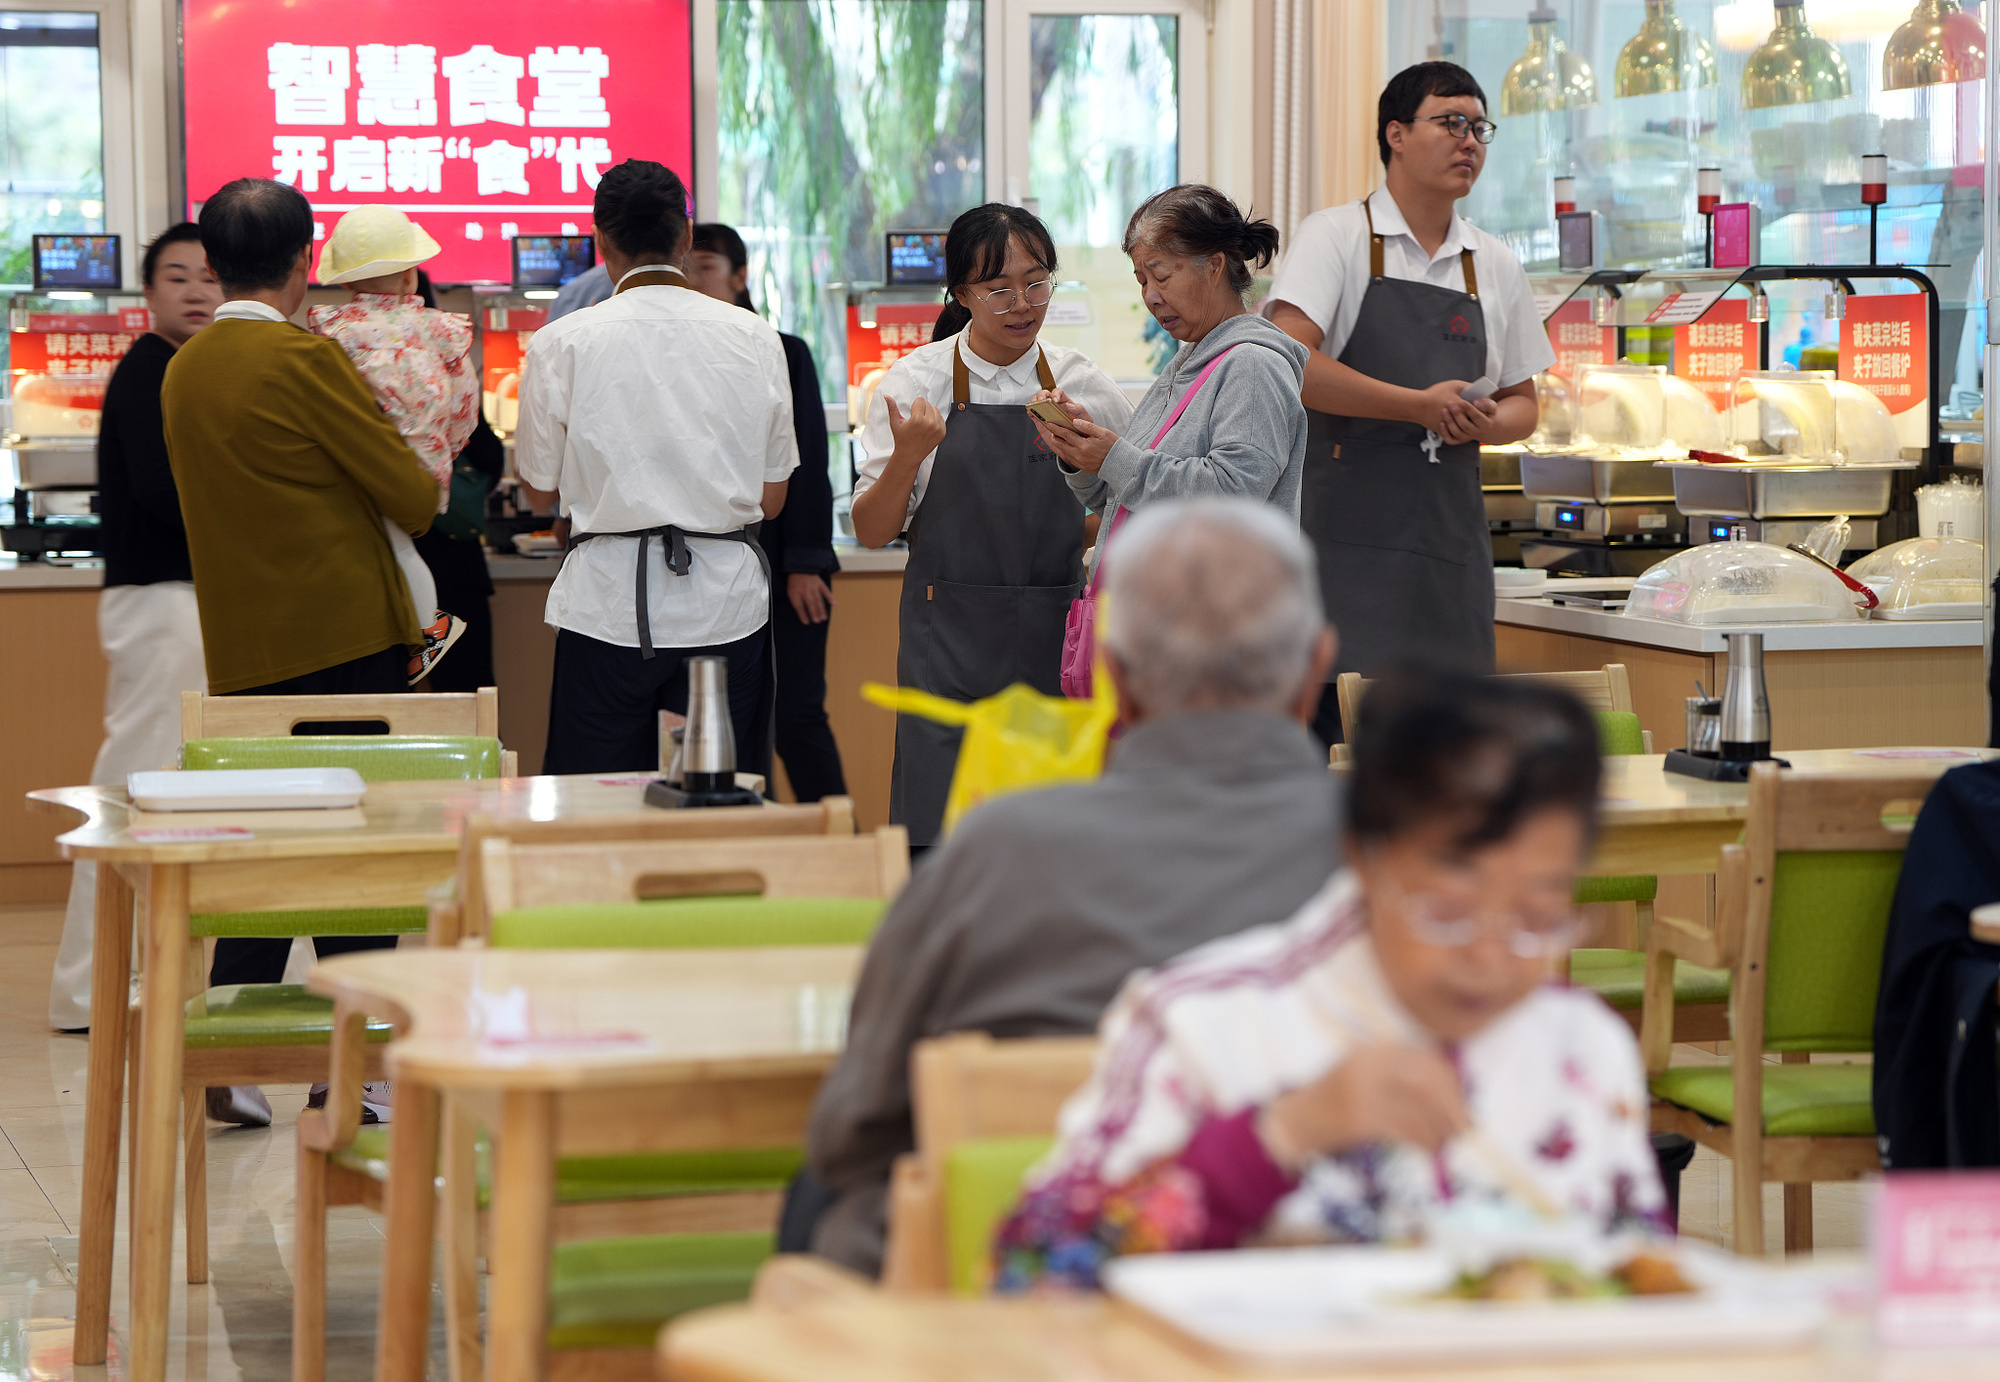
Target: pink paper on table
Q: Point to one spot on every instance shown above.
(1915, 753)
(1937, 1259)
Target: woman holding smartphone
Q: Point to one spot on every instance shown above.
(954, 461)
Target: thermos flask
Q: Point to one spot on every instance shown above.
(1746, 704)
(706, 756)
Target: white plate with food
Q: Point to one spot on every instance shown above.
(1366, 1306)
(538, 544)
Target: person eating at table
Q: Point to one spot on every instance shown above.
(1425, 345)
(1397, 1046)
(953, 459)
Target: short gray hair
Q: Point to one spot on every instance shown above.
(1212, 604)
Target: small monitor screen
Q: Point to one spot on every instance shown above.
(916, 258)
(83, 262)
(1576, 241)
(549, 261)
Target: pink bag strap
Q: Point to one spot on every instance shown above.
(1158, 437)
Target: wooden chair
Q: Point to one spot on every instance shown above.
(725, 1195)
(257, 717)
(461, 910)
(967, 1089)
(1803, 905)
(1608, 688)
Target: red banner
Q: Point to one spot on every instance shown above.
(481, 120)
(1577, 341)
(1884, 347)
(1710, 353)
(900, 327)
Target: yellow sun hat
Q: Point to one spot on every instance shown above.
(371, 241)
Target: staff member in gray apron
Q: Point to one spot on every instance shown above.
(996, 537)
(1408, 309)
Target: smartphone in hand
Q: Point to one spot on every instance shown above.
(1049, 411)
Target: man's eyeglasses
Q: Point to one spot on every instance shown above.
(1458, 126)
(1034, 295)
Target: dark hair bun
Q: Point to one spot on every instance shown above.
(1195, 220)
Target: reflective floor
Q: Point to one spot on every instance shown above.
(238, 1325)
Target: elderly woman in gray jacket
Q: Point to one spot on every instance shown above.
(1244, 431)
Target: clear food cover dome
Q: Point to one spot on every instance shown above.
(1925, 578)
(1740, 583)
(1555, 422)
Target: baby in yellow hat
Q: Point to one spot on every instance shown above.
(419, 363)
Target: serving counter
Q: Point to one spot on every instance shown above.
(53, 703)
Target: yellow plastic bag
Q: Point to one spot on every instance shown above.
(1013, 741)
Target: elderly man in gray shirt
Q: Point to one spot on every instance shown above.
(1216, 813)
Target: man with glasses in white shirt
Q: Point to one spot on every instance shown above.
(661, 421)
(1426, 345)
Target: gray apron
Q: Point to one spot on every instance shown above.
(996, 556)
(1405, 559)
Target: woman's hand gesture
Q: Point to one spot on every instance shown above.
(919, 433)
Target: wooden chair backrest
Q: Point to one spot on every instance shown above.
(551, 875)
(967, 1085)
(250, 717)
(469, 915)
(1608, 688)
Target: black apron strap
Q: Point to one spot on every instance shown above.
(673, 545)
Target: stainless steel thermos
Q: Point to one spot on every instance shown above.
(701, 754)
(1746, 703)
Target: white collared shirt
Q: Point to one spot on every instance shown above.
(926, 373)
(1325, 275)
(247, 310)
(658, 406)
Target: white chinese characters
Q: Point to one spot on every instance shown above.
(398, 85)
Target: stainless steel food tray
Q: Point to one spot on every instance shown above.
(1753, 491)
(1588, 479)
(1499, 469)
(54, 465)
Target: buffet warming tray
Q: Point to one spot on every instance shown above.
(55, 464)
(1588, 478)
(1499, 468)
(1760, 491)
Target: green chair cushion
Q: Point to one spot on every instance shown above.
(1619, 734)
(1638, 887)
(982, 1180)
(354, 921)
(1619, 978)
(377, 757)
(692, 922)
(1829, 917)
(367, 1154)
(1799, 1100)
(617, 1292)
(265, 1015)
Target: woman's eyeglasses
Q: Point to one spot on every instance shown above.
(1458, 126)
(1454, 923)
(1034, 295)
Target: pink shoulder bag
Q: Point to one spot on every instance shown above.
(1080, 630)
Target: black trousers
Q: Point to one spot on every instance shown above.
(605, 702)
(261, 959)
(459, 568)
(804, 736)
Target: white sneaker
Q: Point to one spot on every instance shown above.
(378, 1100)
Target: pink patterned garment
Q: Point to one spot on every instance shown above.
(419, 363)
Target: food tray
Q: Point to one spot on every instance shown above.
(43, 466)
(1499, 468)
(1938, 609)
(1350, 1307)
(1594, 479)
(246, 789)
(1758, 491)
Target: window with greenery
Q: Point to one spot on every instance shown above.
(1650, 91)
(51, 132)
(839, 120)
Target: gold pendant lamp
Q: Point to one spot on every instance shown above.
(1939, 43)
(1665, 55)
(1794, 65)
(1548, 76)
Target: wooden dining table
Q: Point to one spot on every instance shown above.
(874, 1337)
(401, 841)
(574, 1053)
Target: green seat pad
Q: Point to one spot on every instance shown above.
(377, 757)
(617, 1292)
(692, 922)
(1619, 734)
(265, 1015)
(1638, 887)
(354, 921)
(368, 1153)
(982, 1180)
(1619, 978)
(1799, 1100)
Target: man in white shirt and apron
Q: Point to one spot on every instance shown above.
(1408, 309)
(663, 419)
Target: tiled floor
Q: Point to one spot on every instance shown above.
(238, 1325)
